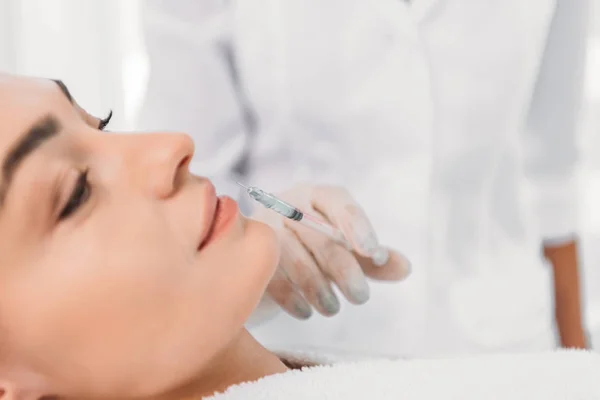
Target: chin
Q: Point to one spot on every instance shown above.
(266, 241)
(263, 247)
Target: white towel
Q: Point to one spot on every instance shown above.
(564, 375)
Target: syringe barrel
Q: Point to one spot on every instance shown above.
(275, 204)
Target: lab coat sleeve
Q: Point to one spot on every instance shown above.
(551, 154)
(191, 86)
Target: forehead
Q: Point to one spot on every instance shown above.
(22, 102)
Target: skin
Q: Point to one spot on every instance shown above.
(115, 300)
(567, 294)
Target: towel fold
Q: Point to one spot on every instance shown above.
(564, 374)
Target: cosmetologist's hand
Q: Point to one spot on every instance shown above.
(311, 262)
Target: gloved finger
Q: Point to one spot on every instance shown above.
(302, 270)
(397, 267)
(339, 207)
(336, 262)
(284, 293)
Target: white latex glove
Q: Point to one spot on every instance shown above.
(310, 261)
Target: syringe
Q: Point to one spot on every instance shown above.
(272, 202)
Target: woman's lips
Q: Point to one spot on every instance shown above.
(225, 214)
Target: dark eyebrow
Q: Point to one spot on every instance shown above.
(43, 130)
(63, 88)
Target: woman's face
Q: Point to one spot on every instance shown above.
(120, 272)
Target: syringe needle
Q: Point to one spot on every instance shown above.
(242, 185)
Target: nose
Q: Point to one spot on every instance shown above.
(164, 160)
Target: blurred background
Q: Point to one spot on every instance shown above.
(97, 49)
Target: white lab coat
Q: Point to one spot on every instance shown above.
(452, 122)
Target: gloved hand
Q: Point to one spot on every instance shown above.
(310, 261)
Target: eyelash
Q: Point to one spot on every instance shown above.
(104, 122)
(80, 194)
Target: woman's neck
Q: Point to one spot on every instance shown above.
(243, 361)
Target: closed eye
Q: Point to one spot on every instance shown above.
(80, 194)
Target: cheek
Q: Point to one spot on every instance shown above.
(105, 308)
(94, 301)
